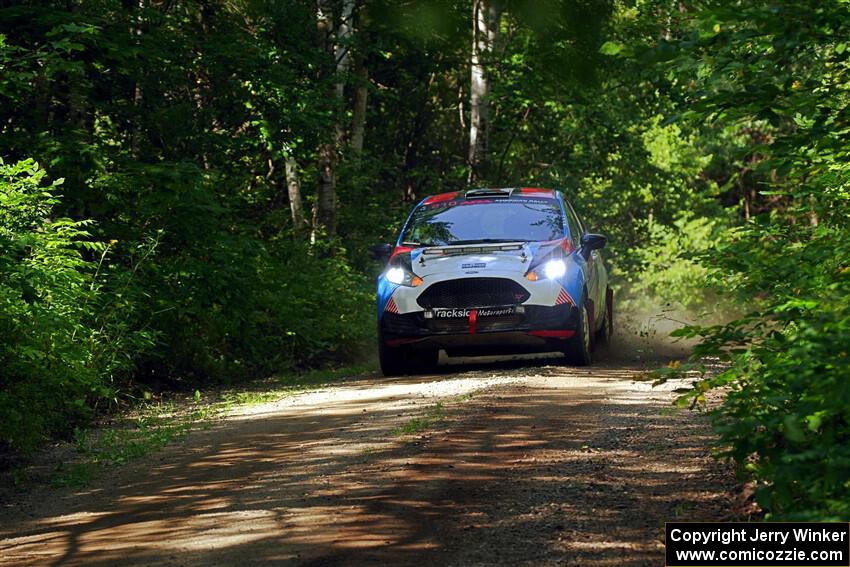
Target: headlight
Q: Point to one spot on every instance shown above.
(551, 270)
(400, 276)
(554, 269)
(396, 275)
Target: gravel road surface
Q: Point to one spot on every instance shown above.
(498, 463)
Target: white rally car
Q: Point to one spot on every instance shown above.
(491, 271)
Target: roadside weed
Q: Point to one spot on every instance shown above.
(436, 413)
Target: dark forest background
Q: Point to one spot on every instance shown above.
(188, 190)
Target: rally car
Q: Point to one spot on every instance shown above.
(491, 271)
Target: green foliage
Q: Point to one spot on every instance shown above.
(153, 427)
(673, 273)
(45, 307)
(435, 414)
(786, 420)
(170, 124)
(707, 140)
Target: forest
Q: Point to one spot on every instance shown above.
(189, 189)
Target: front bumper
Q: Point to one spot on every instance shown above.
(537, 327)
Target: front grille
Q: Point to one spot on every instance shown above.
(473, 292)
(484, 324)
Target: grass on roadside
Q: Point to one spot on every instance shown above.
(281, 387)
(151, 426)
(149, 429)
(435, 414)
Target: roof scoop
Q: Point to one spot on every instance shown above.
(488, 193)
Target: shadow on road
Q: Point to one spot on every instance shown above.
(571, 467)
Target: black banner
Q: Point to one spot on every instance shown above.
(797, 544)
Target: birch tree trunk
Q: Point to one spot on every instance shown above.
(361, 90)
(293, 188)
(486, 17)
(343, 44)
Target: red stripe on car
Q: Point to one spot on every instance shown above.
(535, 191)
(473, 319)
(564, 297)
(553, 334)
(563, 243)
(391, 307)
(440, 198)
(401, 250)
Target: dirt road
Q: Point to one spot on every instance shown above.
(528, 463)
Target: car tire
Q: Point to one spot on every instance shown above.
(603, 335)
(578, 351)
(399, 361)
(391, 359)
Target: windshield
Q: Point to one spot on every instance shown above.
(487, 220)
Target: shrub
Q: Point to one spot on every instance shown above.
(673, 272)
(785, 420)
(45, 303)
(238, 308)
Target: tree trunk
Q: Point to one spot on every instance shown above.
(361, 90)
(343, 44)
(324, 216)
(136, 6)
(293, 187)
(326, 203)
(486, 16)
(358, 113)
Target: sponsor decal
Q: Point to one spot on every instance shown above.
(473, 266)
(460, 312)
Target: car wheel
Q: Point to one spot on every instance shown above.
(603, 335)
(391, 359)
(426, 360)
(398, 361)
(578, 350)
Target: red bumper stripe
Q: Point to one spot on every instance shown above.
(553, 334)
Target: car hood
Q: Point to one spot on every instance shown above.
(479, 259)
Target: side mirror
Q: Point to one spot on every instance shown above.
(381, 252)
(591, 242)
